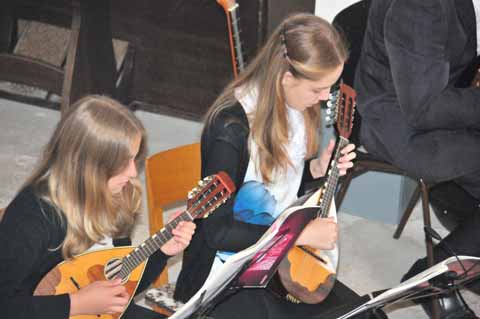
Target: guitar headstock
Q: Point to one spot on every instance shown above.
(211, 192)
(340, 109)
(227, 4)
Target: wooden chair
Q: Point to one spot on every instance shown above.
(89, 64)
(2, 210)
(365, 163)
(169, 176)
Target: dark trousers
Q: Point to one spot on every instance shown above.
(428, 156)
(261, 304)
(463, 240)
(138, 312)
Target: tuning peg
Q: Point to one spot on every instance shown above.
(191, 194)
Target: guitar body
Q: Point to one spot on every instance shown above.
(69, 276)
(307, 274)
(304, 274)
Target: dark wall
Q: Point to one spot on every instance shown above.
(182, 58)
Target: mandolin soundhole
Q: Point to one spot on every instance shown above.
(113, 269)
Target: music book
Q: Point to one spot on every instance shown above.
(456, 273)
(252, 267)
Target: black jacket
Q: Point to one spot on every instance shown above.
(414, 113)
(224, 147)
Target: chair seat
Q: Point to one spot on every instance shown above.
(365, 159)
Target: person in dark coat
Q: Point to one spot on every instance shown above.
(418, 112)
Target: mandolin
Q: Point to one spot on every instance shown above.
(128, 263)
(231, 9)
(307, 274)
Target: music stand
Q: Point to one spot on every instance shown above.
(450, 274)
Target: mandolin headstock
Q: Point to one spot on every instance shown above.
(341, 108)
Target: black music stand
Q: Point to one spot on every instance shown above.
(451, 274)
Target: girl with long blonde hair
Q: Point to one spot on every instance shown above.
(84, 194)
(263, 131)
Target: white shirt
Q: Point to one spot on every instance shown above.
(106, 242)
(285, 183)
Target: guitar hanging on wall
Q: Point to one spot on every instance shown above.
(128, 263)
(231, 9)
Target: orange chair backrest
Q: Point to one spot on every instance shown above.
(169, 176)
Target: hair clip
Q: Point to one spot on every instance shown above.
(283, 40)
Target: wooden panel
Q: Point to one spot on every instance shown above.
(182, 58)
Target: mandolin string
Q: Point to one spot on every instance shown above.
(142, 252)
(331, 183)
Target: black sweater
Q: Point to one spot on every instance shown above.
(29, 231)
(224, 147)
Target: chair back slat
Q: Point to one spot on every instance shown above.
(169, 176)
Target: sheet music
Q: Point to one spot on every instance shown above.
(229, 270)
(223, 276)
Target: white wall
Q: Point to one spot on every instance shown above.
(327, 9)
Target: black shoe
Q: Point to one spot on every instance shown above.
(451, 306)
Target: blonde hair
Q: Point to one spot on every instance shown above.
(91, 143)
(305, 45)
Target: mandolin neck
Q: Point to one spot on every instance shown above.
(332, 180)
(152, 244)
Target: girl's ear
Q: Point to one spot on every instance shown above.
(288, 79)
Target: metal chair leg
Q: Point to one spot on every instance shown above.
(408, 211)
(429, 242)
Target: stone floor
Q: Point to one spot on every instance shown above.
(370, 258)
